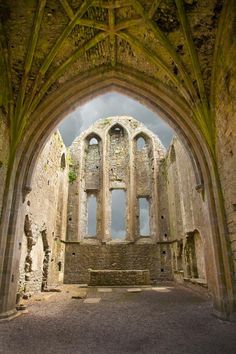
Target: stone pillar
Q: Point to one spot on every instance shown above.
(105, 191)
(131, 196)
(82, 199)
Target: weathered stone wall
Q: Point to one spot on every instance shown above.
(79, 258)
(163, 207)
(73, 192)
(93, 167)
(143, 170)
(4, 154)
(113, 163)
(86, 168)
(118, 155)
(42, 252)
(225, 89)
(183, 219)
(118, 277)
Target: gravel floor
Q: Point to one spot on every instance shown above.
(158, 320)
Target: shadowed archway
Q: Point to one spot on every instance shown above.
(174, 110)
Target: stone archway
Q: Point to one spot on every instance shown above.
(172, 109)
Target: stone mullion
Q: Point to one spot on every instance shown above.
(99, 194)
(131, 196)
(81, 190)
(105, 191)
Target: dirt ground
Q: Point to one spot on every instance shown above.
(167, 319)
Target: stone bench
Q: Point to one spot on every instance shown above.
(118, 277)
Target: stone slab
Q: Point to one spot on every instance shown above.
(134, 290)
(104, 290)
(92, 300)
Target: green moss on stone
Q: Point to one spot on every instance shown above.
(72, 175)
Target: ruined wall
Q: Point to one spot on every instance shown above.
(183, 215)
(117, 172)
(93, 166)
(118, 155)
(143, 160)
(79, 258)
(114, 163)
(42, 252)
(225, 89)
(73, 191)
(86, 180)
(119, 277)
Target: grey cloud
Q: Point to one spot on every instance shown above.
(112, 104)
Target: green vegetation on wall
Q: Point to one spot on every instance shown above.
(72, 175)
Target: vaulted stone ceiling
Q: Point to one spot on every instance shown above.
(46, 43)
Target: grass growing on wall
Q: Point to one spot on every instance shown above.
(72, 175)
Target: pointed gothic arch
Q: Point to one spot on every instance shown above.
(174, 110)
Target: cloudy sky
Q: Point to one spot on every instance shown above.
(114, 104)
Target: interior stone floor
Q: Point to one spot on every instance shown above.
(162, 319)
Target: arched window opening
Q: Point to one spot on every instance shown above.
(118, 214)
(93, 141)
(117, 130)
(172, 154)
(92, 157)
(92, 215)
(140, 143)
(144, 220)
(59, 264)
(63, 161)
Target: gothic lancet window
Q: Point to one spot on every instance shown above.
(144, 220)
(141, 143)
(92, 215)
(118, 214)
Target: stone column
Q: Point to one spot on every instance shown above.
(131, 196)
(105, 191)
(82, 200)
